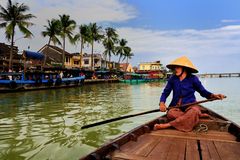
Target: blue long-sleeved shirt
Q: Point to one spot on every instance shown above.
(184, 89)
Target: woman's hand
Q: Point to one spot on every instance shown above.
(218, 96)
(162, 107)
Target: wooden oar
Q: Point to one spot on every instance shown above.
(142, 113)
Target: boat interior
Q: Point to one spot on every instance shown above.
(213, 138)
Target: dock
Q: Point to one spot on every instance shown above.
(95, 81)
(218, 75)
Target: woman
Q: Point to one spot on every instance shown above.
(183, 84)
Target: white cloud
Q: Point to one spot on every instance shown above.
(199, 45)
(230, 20)
(82, 11)
(209, 49)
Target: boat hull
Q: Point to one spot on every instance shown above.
(29, 85)
(219, 141)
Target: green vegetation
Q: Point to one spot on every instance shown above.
(14, 15)
(109, 42)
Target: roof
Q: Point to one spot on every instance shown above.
(89, 55)
(5, 50)
(54, 54)
(33, 55)
(55, 48)
(124, 66)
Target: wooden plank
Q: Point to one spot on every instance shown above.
(168, 148)
(210, 135)
(208, 150)
(142, 146)
(229, 151)
(161, 150)
(177, 149)
(192, 152)
(118, 155)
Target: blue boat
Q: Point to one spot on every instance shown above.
(35, 80)
(11, 82)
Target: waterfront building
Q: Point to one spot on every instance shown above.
(87, 63)
(54, 57)
(98, 62)
(4, 57)
(126, 67)
(150, 66)
(154, 69)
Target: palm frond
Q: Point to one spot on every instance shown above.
(55, 40)
(25, 31)
(4, 24)
(9, 31)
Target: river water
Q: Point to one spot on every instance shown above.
(47, 124)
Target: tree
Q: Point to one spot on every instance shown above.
(95, 36)
(67, 27)
(53, 29)
(128, 55)
(111, 38)
(122, 49)
(84, 38)
(14, 15)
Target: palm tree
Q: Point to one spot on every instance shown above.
(94, 35)
(128, 55)
(84, 36)
(67, 27)
(122, 49)
(109, 48)
(52, 31)
(12, 16)
(109, 42)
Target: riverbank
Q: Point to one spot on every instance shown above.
(95, 81)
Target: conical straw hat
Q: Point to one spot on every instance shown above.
(183, 62)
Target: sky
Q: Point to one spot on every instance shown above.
(206, 31)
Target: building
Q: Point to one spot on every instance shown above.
(150, 66)
(87, 63)
(98, 61)
(5, 55)
(54, 57)
(153, 69)
(126, 67)
(72, 60)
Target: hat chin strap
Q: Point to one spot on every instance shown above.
(183, 69)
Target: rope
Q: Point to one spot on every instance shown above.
(202, 128)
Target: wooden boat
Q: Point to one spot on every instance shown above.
(215, 137)
(134, 78)
(37, 81)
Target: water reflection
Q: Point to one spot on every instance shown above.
(47, 124)
(30, 122)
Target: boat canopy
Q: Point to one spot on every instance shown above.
(33, 55)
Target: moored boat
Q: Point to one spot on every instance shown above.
(135, 78)
(215, 137)
(13, 82)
